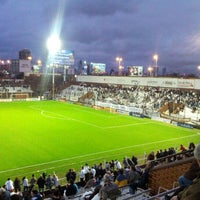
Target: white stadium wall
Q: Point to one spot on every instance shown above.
(143, 81)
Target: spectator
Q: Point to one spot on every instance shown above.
(100, 171)
(182, 148)
(16, 196)
(133, 180)
(25, 184)
(82, 177)
(191, 148)
(86, 171)
(44, 175)
(145, 175)
(41, 183)
(112, 165)
(33, 181)
(17, 185)
(118, 164)
(92, 183)
(151, 156)
(191, 192)
(109, 190)
(49, 182)
(55, 180)
(90, 195)
(171, 152)
(73, 177)
(134, 160)
(71, 189)
(121, 179)
(4, 193)
(125, 163)
(107, 165)
(130, 162)
(93, 171)
(9, 185)
(36, 195)
(56, 195)
(190, 175)
(71, 174)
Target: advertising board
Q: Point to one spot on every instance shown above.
(135, 70)
(25, 66)
(63, 58)
(98, 68)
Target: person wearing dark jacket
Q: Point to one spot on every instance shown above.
(41, 182)
(192, 192)
(187, 178)
(71, 188)
(17, 185)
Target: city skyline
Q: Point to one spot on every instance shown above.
(100, 31)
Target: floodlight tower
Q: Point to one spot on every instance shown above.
(53, 46)
(198, 67)
(119, 60)
(155, 57)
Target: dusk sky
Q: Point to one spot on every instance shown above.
(101, 30)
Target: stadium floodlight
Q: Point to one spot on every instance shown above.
(119, 60)
(53, 46)
(155, 57)
(29, 58)
(150, 69)
(39, 62)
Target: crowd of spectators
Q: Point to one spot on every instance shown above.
(104, 179)
(147, 98)
(189, 182)
(154, 96)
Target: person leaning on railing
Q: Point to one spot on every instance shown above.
(191, 192)
(187, 178)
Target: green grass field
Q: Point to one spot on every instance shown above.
(50, 136)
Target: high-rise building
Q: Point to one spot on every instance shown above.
(25, 61)
(14, 66)
(25, 54)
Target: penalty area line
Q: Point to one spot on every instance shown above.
(58, 116)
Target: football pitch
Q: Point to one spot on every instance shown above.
(50, 136)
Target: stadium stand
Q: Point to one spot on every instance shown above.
(22, 92)
(171, 105)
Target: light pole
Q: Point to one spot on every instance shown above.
(198, 67)
(39, 64)
(9, 64)
(119, 60)
(65, 74)
(155, 57)
(150, 69)
(53, 46)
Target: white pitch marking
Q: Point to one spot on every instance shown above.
(80, 121)
(97, 153)
(62, 117)
(127, 125)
